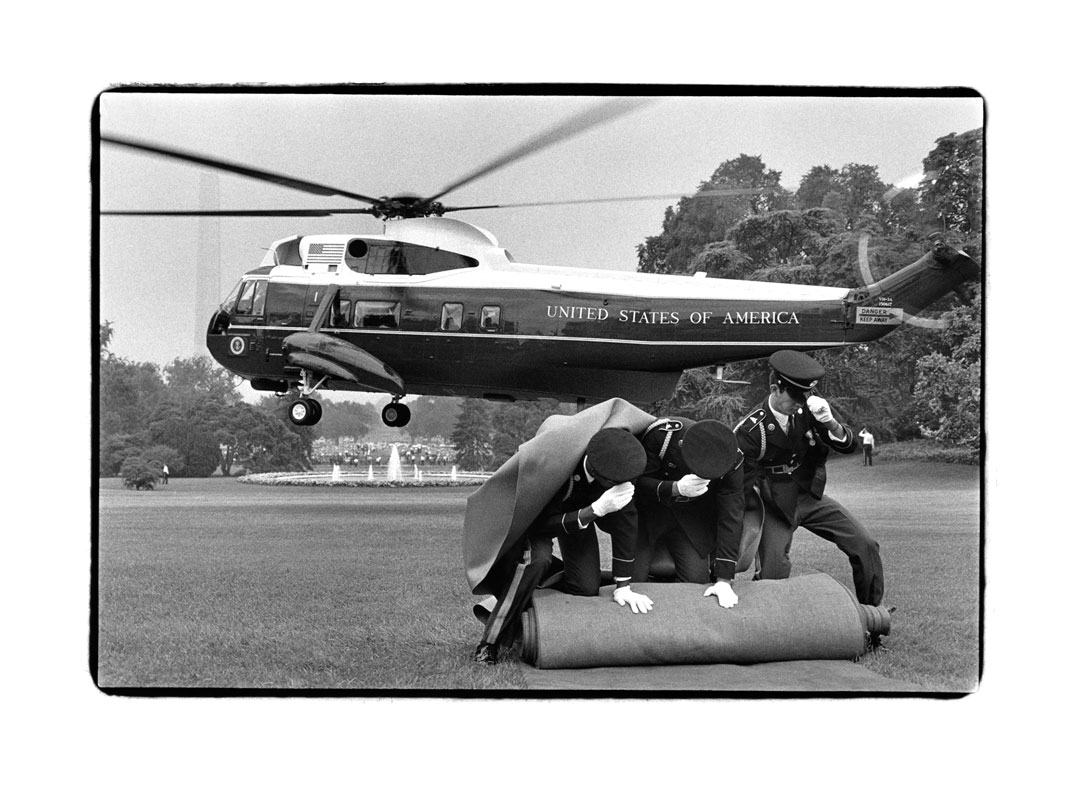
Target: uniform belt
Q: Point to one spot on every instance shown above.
(781, 470)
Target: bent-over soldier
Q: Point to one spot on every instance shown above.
(690, 499)
(598, 494)
(786, 441)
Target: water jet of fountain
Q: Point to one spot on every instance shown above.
(393, 467)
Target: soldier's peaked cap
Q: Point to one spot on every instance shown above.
(796, 369)
(709, 449)
(616, 455)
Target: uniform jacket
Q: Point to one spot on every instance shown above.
(713, 522)
(499, 513)
(560, 517)
(783, 465)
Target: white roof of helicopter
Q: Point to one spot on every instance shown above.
(497, 270)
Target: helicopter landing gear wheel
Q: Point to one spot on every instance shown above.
(305, 412)
(395, 414)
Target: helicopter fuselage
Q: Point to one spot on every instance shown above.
(445, 308)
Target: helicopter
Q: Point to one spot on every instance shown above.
(436, 306)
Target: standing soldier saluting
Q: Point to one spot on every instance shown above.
(785, 442)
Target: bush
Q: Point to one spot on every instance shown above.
(138, 473)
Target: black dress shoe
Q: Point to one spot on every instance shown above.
(486, 653)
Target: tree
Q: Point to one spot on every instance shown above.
(188, 430)
(434, 416)
(952, 184)
(815, 185)
(105, 334)
(114, 449)
(471, 437)
(279, 408)
(339, 418)
(949, 384)
(701, 220)
(258, 441)
(864, 195)
(199, 378)
(127, 394)
(698, 396)
(512, 424)
(785, 238)
(815, 239)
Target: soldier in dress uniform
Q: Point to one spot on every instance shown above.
(785, 442)
(690, 499)
(598, 494)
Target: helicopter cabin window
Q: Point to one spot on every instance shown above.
(285, 303)
(452, 314)
(339, 313)
(252, 300)
(489, 317)
(397, 258)
(383, 315)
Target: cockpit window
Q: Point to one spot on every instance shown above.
(228, 303)
(252, 298)
(398, 258)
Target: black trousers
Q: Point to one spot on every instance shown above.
(831, 521)
(580, 552)
(868, 455)
(690, 566)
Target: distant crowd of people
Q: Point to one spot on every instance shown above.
(378, 454)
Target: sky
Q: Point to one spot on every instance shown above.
(379, 144)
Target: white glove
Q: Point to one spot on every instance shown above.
(724, 593)
(690, 486)
(820, 409)
(613, 499)
(638, 603)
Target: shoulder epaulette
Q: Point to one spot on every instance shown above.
(755, 420)
(750, 421)
(668, 425)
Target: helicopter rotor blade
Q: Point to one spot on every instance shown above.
(232, 167)
(576, 125)
(664, 197)
(245, 213)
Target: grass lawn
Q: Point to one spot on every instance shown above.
(212, 583)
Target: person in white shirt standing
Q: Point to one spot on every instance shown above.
(867, 447)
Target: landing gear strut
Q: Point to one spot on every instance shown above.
(305, 411)
(395, 414)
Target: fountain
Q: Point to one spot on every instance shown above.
(338, 477)
(393, 467)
